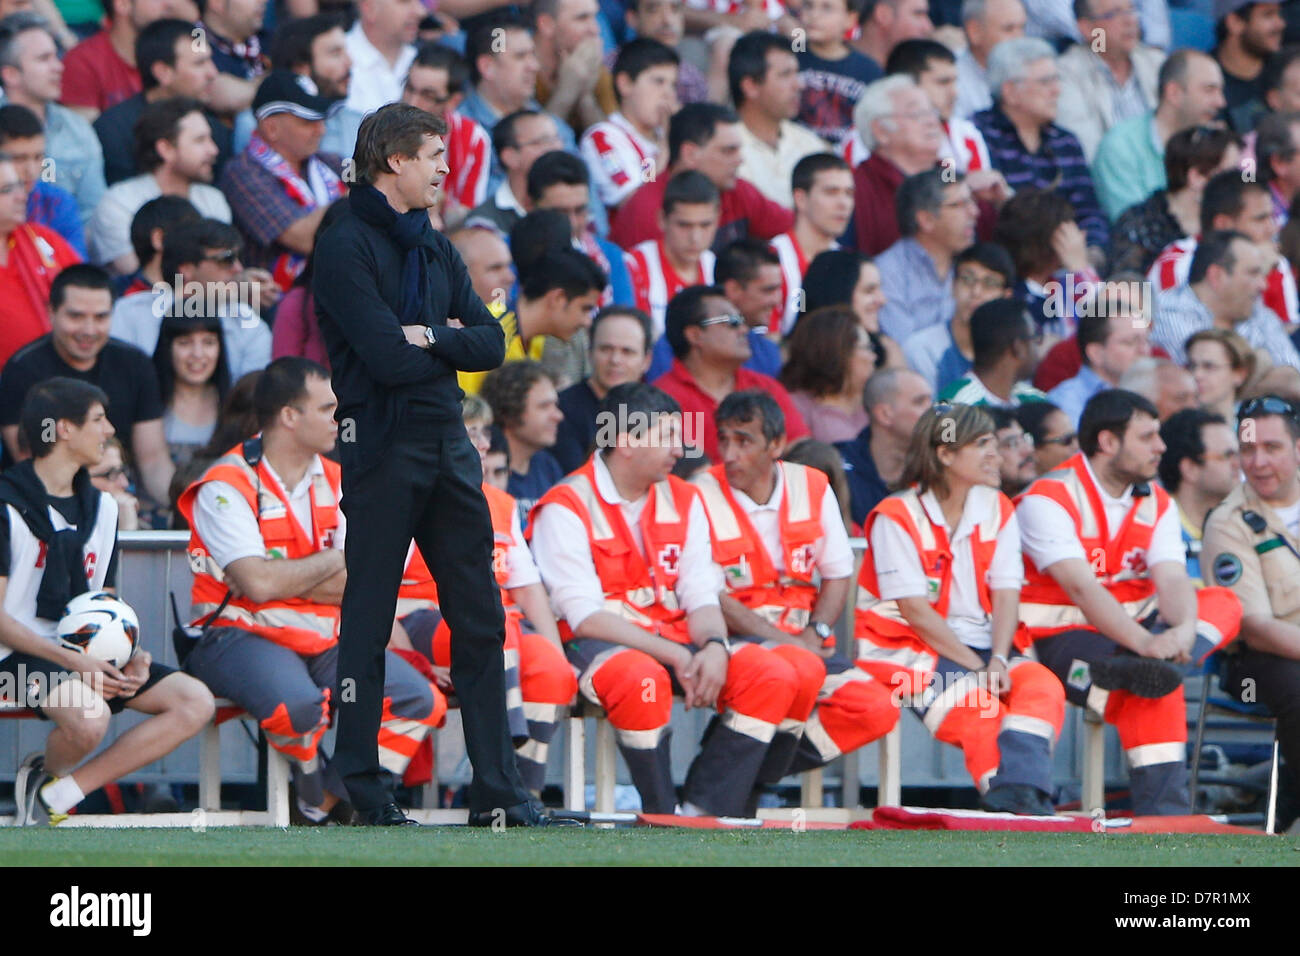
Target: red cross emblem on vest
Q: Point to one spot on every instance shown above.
(1134, 559)
(801, 559)
(668, 557)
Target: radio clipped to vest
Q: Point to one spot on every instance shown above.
(186, 637)
(1258, 525)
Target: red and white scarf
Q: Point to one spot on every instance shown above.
(321, 187)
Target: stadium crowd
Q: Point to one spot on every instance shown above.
(1006, 289)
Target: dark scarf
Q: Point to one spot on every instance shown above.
(65, 573)
(412, 231)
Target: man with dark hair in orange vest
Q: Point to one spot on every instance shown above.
(775, 524)
(623, 547)
(266, 527)
(539, 679)
(1108, 602)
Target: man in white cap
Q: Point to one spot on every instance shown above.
(280, 186)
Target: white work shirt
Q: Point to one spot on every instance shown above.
(900, 574)
(832, 553)
(110, 226)
(374, 83)
(769, 169)
(1048, 534)
(229, 527)
(563, 554)
(1290, 518)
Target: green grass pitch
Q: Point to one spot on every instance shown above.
(434, 846)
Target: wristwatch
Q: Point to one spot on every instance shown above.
(726, 644)
(823, 632)
(430, 337)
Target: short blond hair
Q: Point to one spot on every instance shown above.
(474, 408)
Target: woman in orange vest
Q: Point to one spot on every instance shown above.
(938, 605)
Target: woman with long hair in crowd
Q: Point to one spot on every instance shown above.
(236, 422)
(193, 378)
(842, 277)
(938, 610)
(829, 361)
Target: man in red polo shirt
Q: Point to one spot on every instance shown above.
(100, 72)
(30, 257)
(710, 343)
(704, 137)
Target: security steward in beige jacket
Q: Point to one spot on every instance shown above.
(1252, 545)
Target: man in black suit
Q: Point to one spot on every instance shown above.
(400, 318)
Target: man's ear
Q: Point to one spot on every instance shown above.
(925, 221)
(692, 335)
(555, 300)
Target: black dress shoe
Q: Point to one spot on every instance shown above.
(1016, 798)
(389, 815)
(530, 814)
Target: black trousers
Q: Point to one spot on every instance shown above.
(426, 487)
(1276, 684)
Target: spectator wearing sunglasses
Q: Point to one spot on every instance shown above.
(710, 343)
(202, 260)
(1052, 434)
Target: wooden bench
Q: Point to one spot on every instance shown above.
(209, 812)
(606, 770)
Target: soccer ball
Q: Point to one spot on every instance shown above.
(101, 626)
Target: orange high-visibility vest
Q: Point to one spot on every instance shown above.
(783, 600)
(302, 626)
(418, 589)
(636, 589)
(1118, 557)
(875, 616)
